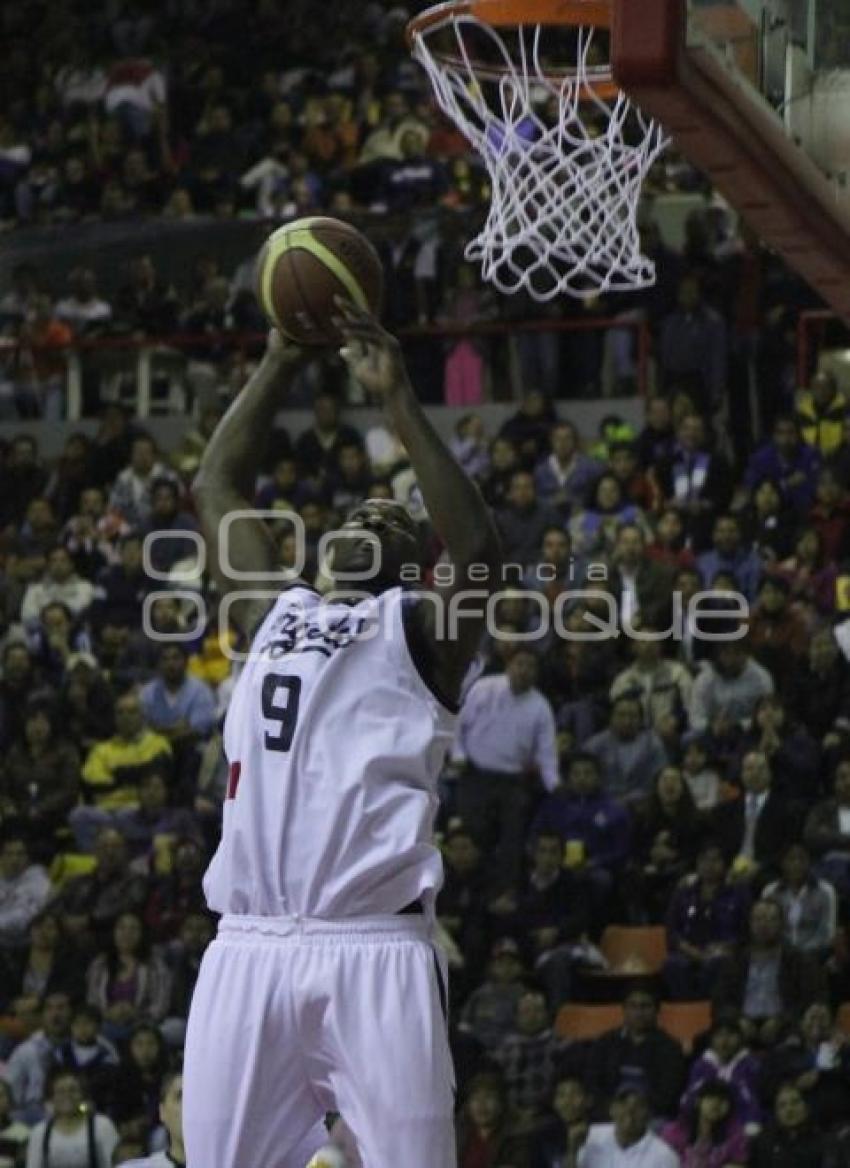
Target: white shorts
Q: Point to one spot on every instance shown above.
(295, 1017)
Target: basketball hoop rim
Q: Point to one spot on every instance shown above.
(505, 13)
(515, 14)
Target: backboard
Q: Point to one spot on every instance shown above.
(796, 55)
(757, 94)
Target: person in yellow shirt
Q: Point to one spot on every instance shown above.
(821, 410)
(209, 663)
(113, 767)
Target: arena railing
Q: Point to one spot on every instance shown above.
(819, 330)
(140, 360)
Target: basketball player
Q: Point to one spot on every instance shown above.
(323, 990)
(170, 1102)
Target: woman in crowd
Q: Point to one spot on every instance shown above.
(709, 1135)
(667, 835)
(485, 1136)
(131, 1093)
(668, 546)
(45, 966)
(40, 777)
(86, 703)
(75, 1136)
(767, 525)
(790, 1140)
(811, 576)
(127, 982)
(794, 755)
(830, 517)
(594, 529)
(700, 774)
(571, 1113)
(502, 463)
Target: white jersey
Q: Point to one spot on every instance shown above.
(335, 743)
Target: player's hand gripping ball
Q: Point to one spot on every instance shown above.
(304, 266)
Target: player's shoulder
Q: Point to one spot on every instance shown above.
(292, 594)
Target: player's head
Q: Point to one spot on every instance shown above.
(377, 541)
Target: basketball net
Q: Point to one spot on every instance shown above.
(566, 153)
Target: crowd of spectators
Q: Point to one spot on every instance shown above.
(182, 111)
(697, 785)
(719, 322)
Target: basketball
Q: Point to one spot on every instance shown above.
(304, 265)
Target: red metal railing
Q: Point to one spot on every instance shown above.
(149, 349)
(811, 326)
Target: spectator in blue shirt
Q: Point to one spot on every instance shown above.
(630, 755)
(563, 478)
(179, 707)
(789, 463)
(728, 554)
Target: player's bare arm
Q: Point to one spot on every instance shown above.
(454, 503)
(225, 479)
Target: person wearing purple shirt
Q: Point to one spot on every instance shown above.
(582, 815)
(727, 1058)
(140, 825)
(789, 463)
(706, 918)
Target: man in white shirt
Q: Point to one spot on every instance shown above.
(131, 493)
(662, 686)
(725, 693)
(59, 583)
(627, 1142)
(83, 310)
(505, 733)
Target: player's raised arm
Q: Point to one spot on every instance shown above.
(454, 503)
(225, 480)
